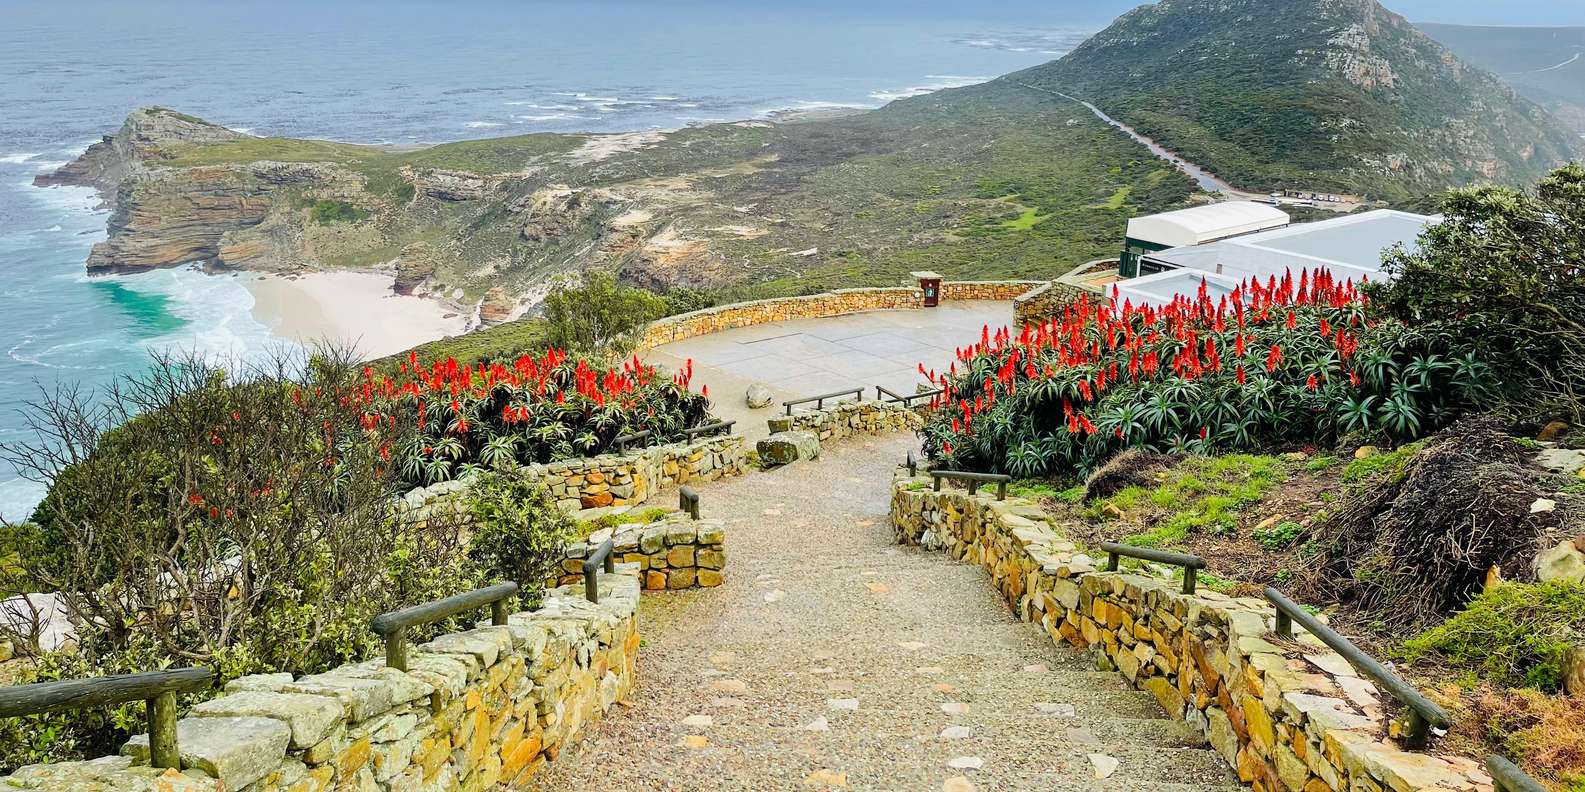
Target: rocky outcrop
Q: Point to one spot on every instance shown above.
(166, 216)
(496, 307)
(553, 212)
(414, 268)
(145, 137)
(450, 185)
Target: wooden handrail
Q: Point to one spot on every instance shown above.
(393, 626)
(157, 689)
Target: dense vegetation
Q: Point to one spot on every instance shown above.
(446, 420)
(248, 520)
(1483, 317)
(1504, 275)
(1290, 361)
(1343, 96)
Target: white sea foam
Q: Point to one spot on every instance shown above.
(484, 124)
(216, 311)
(549, 117)
(18, 159)
(939, 82)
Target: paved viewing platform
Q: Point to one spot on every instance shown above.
(807, 357)
(833, 659)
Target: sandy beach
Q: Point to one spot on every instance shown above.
(355, 308)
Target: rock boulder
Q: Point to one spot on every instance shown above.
(1565, 562)
(786, 447)
(758, 397)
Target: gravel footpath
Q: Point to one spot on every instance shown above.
(832, 658)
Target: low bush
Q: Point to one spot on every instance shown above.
(244, 520)
(1515, 634)
(236, 520)
(448, 419)
(599, 316)
(517, 532)
(1282, 361)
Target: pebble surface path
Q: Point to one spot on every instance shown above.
(832, 659)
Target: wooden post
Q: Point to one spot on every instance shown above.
(396, 649)
(498, 613)
(163, 751)
(1284, 624)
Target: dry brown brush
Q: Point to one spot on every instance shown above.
(1413, 545)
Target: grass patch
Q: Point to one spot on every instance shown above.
(1208, 497)
(1320, 463)
(326, 211)
(1514, 634)
(1117, 200)
(1025, 221)
(631, 517)
(1389, 463)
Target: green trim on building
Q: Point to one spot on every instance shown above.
(1133, 251)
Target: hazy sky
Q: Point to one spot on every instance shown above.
(1508, 12)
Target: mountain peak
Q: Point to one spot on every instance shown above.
(1328, 94)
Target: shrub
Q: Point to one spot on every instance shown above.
(1280, 361)
(1501, 275)
(518, 531)
(1516, 634)
(326, 211)
(242, 521)
(599, 316)
(447, 420)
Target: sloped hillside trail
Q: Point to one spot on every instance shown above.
(832, 658)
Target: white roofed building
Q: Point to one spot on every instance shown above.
(1349, 247)
(1195, 226)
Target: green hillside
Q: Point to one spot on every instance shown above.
(1334, 94)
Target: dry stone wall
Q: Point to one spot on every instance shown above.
(1045, 302)
(477, 710)
(745, 314)
(618, 479)
(847, 418)
(1287, 715)
(987, 290)
(676, 552)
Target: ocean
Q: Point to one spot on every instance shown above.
(407, 73)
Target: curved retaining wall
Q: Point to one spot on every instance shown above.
(844, 419)
(1286, 715)
(617, 479)
(987, 290)
(478, 710)
(745, 314)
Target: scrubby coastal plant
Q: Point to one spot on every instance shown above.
(1503, 275)
(1295, 359)
(241, 520)
(599, 316)
(436, 422)
(517, 532)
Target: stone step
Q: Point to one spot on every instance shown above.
(879, 760)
